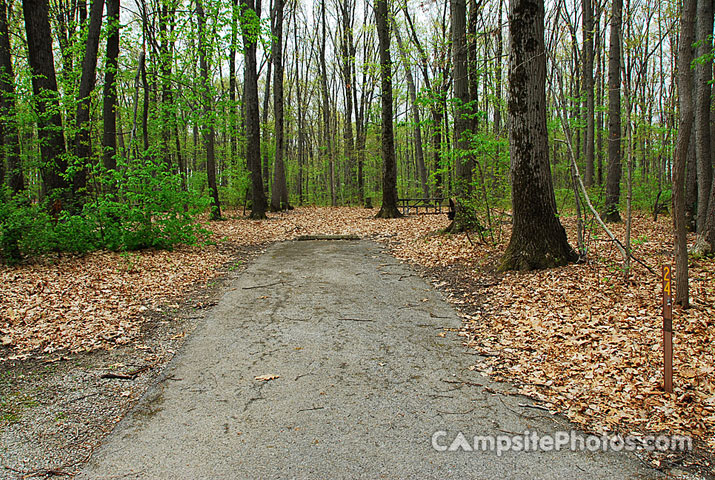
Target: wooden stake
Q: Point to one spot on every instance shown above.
(667, 329)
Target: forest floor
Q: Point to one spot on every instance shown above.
(579, 339)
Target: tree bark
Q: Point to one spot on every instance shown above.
(600, 86)
(109, 101)
(462, 110)
(83, 148)
(232, 88)
(613, 178)
(703, 76)
(8, 125)
(279, 194)
(46, 97)
(389, 164)
(167, 20)
(498, 74)
(416, 121)
(209, 131)
(264, 123)
(685, 56)
(327, 134)
(587, 85)
(347, 52)
(253, 121)
(691, 185)
(301, 118)
(538, 239)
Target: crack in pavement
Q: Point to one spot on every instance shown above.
(359, 392)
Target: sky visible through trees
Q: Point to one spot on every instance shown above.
(188, 124)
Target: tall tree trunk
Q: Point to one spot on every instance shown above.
(347, 52)
(473, 69)
(109, 100)
(326, 108)
(389, 164)
(46, 97)
(462, 108)
(685, 56)
(8, 119)
(613, 179)
(436, 93)
(703, 76)
(253, 121)
(279, 194)
(498, 74)
(83, 148)
(361, 106)
(265, 162)
(538, 239)
(600, 82)
(416, 121)
(65, 30)
(301, 120)
(145, 106)
(232, 88)
(166, 59)
(209, 131)
(587, 85)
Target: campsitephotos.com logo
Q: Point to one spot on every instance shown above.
(443, 441)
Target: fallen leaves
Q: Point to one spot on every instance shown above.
(589, 344)
(579, 338)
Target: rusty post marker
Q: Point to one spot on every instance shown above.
(667, 328)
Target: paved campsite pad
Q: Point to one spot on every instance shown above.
(363, 378)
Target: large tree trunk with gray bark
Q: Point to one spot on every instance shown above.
(685, 56)
(389, 164)
(46, 99)
(538, 239)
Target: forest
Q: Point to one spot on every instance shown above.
(151, 148)
(122, 123)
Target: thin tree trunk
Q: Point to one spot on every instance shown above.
(498, 74)
(264, 126)
(168, 115)
(232, 88)
(209, 131)
(279, 194)
(416, 121)
(347, 52)
(326, 108)
(253, 125)
(587, 85)
(613, 179)
(109, 99)
(8, 119)
(83, 148)
(600, 82)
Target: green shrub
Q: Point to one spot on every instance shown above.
(141, 205)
